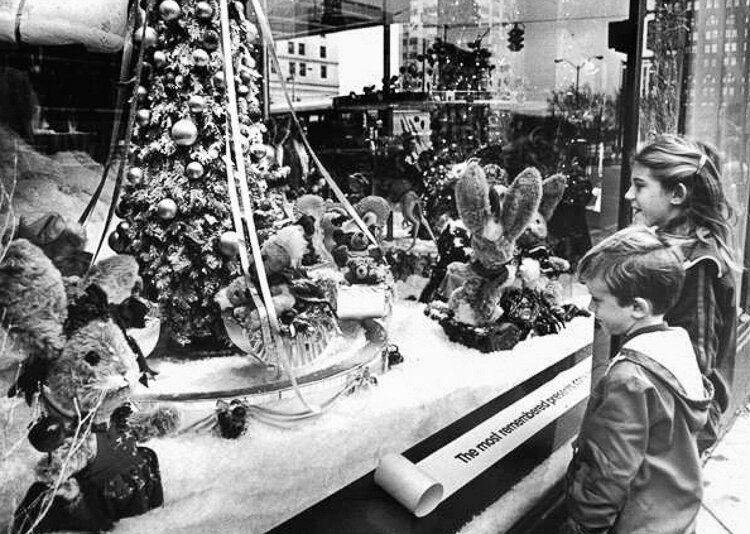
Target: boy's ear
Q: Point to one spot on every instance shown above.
(641, 308)
(679, 195)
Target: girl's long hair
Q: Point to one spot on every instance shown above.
(675, 160)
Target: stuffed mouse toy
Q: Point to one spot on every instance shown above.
(77, 360)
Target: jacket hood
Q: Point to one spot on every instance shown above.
(668, 354)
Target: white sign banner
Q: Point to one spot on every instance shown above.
(466, 457)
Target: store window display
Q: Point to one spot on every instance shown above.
(289, 255)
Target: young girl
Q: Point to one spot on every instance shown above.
(676, 186)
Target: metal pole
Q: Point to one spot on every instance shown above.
(386, 51)
(631, 102)
(265, 59)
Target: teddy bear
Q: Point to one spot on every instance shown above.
(496, 216)
(76, 358)
(314, 208)
(538, 267)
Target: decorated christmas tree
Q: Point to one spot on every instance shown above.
(175, 203)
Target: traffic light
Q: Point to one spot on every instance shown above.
(515, 38)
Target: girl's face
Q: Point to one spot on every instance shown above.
(652, 204)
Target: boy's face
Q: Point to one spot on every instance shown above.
(614, 318)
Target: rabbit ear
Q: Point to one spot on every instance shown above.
(521, 202)
(473, 197)
(553, 189)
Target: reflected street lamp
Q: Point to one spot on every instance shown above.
(291, 78)
(578, 67)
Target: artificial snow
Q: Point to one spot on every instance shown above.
(272, 473)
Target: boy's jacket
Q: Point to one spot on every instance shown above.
(636, 468)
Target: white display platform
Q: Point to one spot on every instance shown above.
(273, 473)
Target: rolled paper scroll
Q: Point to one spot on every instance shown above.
(408, 484)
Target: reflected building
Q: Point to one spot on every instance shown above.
(310, 68)
(717, 76)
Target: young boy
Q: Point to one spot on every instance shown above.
(636, 467)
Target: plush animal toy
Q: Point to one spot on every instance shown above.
(79, 360)
(33, 308)
(62, 240)
(94, 472)
(537, 265)
(496, 217)
(315, 207)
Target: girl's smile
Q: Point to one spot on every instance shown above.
(652, 204)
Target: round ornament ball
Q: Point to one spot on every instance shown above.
(166, 209)
(143, 116)
(258, 151)
(184, 132)
(142, 92)
(203, 10)
(219, 80)
(116, 243)
(135, 175)
(169, 10)
(149, 39)
(123, 228)
(194, 170)
(197, 104)
(229, 244)
(120, 209)
(200, 58)
(245, 74)
(160, 59)
(211, 40)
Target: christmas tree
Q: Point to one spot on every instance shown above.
(175, 203)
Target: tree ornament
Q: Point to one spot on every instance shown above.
(211, 40)
(219, 81)
(245, 74)
(143, 116)
(149, 40)
(160, 59)
(142, 92)
(120, 210)
(200, 58)
(197, 104)
(135, 175)
(116, 243)
(169, 10)
(203, 11)
(123, 228)
(194, 170)
(229, 244)
(184, 132)
(166, 209)
(258, 151)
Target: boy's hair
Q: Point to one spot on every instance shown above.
(674, 160)
(636, 262)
